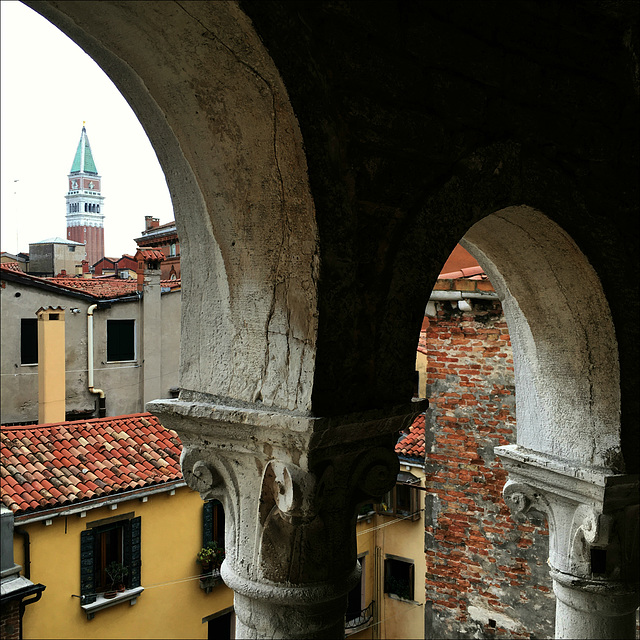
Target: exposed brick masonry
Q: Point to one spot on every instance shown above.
(487, 575)
(10, 620)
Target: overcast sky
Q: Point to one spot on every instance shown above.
(49, 86)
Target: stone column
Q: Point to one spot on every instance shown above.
(290, 485)
(593, 539)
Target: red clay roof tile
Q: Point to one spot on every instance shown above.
(85, 460)
(411, 445)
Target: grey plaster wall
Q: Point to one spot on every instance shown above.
(238, 178)
(122, 382)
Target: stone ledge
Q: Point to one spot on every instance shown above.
(128, 595)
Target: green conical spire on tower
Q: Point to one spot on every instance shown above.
(83, 161)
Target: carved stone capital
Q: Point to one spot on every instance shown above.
(592, 514)
(290, 485)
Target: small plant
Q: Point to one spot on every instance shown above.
(211, 556)
(117, 572)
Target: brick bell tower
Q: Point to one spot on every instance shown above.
(85, 219)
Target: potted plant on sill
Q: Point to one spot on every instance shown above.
(210, 557)
(117, 572)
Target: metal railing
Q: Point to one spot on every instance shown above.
(356, 619)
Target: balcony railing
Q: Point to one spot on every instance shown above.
(357, 620)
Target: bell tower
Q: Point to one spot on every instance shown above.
(85, 219)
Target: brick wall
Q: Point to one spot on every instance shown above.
(10, 620)
(487, 575)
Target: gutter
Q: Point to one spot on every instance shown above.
(96, 503)
(102, 411)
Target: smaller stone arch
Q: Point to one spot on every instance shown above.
(565, 350)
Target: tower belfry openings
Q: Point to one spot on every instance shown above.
(85, 217)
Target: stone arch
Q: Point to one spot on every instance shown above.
(237, 175)
(563, 338)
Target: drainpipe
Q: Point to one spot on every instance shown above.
(102, 411)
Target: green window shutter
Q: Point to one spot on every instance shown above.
(87, 566)
(207, 523)
(132, 551)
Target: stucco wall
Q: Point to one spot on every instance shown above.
(172, 604)
(394, 536)
(122, 382)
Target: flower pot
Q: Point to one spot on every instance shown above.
(206, 567)
(121, 588)
(110, 594)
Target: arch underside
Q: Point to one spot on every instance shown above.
(564, 346)
(320, 183)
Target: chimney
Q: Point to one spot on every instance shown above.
(148, 266)
(149, 261)
(51, 365)
(151, 223)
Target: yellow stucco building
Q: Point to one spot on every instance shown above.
(389, 601)
(87, 494)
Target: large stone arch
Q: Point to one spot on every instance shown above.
(217, 113)
(565, 351)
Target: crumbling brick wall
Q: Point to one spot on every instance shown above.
(10, 620)
(487, 576)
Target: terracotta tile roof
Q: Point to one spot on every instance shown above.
(171, 284)
(12, 266)
(411, 445)
(149, 254)
(100, 288)
(62, 464)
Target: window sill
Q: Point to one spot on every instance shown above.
(128, 595)
(393, 596)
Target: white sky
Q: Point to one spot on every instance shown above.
(43, 106)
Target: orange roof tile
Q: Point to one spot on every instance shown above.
(411, 445)
(100, 288)
(33, 481)
(171, 284)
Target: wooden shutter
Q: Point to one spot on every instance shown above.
(133, 551)
(207, 523)
(87, 566)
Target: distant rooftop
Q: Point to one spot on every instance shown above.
(58, 240)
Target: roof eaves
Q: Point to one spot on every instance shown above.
(38, 515)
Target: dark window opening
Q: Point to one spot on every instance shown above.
(598, 561)
(355, 603)
(403, 500)
(114, 541)
(398, 578)
(213, 523)
(29, 341)
(120, 340)
(110, 550)
(221, 627)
